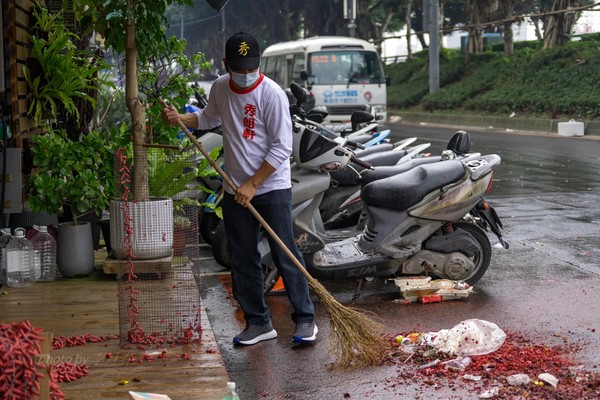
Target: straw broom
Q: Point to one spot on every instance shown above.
(355, 339)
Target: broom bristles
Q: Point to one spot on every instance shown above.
(355, 340)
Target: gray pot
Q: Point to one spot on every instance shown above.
(75, 248)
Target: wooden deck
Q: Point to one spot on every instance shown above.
(73, 307)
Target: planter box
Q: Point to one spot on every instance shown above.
(151, 225)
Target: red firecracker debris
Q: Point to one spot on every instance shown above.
(518, 355)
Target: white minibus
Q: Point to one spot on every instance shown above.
(344, 74)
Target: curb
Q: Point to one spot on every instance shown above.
(539, 125)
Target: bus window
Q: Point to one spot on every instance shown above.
(342, 67)
(297, 67)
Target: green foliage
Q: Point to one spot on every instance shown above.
(109, 17)
(166, 74)
(60, 72)
(78, 173)
(410, 80)
(171, 171)
(554, 82)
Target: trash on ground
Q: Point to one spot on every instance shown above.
(426, 290)
(474, 378)
(549, 379)
(518, 380)
(429, 364)
(457, 364)
(472, 337)
(148, 396)
(490, 393)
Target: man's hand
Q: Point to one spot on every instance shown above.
(169, 115)
(245, 193)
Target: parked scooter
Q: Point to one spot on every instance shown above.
(415, 219)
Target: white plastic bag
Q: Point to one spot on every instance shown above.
(472, 337)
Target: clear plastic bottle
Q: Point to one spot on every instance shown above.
(44, 248)
(4, 239)
(20, 271)
(231, 393)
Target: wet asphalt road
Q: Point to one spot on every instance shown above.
(546, 285)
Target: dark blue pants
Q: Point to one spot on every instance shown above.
(242, 230)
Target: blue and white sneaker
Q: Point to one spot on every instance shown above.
(254, 334)
(306, 332)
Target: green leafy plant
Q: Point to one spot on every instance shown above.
(180, 221)
(78, 173)
(58, 73)
(171, 172)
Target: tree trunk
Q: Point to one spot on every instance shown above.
(475, 39)
(137, 110)
(559, 26)
(509, 45)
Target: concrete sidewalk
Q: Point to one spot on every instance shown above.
(540, 125)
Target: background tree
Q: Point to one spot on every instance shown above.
(558, 27)
(134, 27)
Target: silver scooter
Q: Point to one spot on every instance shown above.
(418, 221)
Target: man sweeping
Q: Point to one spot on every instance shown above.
(257, 141)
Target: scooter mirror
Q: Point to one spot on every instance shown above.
(298, 92)
(317, 115)
(360, 117)
(460, 143)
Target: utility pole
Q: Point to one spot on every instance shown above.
(433, 14)
(181, 28)
(350, 16)
(223, 38)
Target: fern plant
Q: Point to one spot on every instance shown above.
(62, 72)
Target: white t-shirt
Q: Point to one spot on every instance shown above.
(256, 127)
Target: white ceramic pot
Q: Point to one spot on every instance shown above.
(152, 228)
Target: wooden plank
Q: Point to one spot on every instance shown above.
(46, 349)
(21, 36)
(22, 54)
(21, 18)
(69, 307)
(119, 267)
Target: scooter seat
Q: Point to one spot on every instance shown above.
(386, 171)
(360, 153)
(403, 190)
(348, 176)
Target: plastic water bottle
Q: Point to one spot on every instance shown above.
(4, 239)
(44, 248)
(20, 271)
(231, 393)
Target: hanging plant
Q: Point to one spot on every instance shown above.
(58, 73)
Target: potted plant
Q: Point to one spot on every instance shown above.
(74, 173)
(181, 226)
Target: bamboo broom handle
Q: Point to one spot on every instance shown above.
(227, 179)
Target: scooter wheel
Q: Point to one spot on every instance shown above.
(208, 225)
(483, 257)
(219, 246)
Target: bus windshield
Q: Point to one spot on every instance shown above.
(344, 67)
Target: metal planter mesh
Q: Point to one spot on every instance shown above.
(156, 245)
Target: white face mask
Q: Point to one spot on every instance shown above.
(244, 80)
